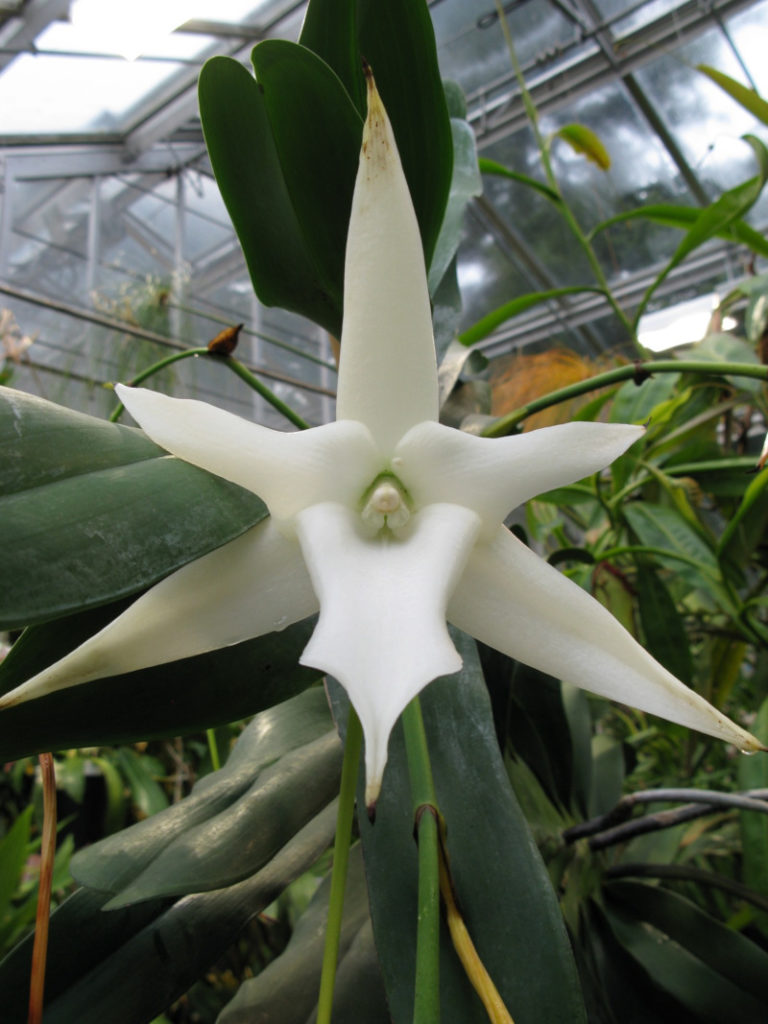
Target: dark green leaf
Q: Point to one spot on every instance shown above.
(110, 514)
(317, 134)
(286, 991)
(618, 986)
(115, 862)
(42, 443)
(247, 167)
(607, 775)
(753, 774)
(509, 906)
(705, 947)
(663, 630)
(398, 41)
(126, 966)
(330, 31)
(576, 707)
(167, 700)
(241, 838)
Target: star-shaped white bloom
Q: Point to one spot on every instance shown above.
(385, 520)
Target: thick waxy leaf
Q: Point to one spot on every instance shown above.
(753, 774)
(247, 167)
(316, 131)
(86, 507)
(114, 864)
(723, 949)
(169, 700)
(97, 957)
(239, 840)
(398, 42)
(286, 991)
(509, 906)
(682, 972)
(330, 31)
(664, 634)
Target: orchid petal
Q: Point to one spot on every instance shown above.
(287, 470)
(251, 586)
(512, 600)
(495, 475)
(382, 629)
(388, 369)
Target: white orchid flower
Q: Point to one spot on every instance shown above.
(385, 520)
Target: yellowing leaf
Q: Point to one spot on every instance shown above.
(743, 95)
(583, 140)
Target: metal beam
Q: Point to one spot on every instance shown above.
(17, 33)
(540, 323)
(497, 110)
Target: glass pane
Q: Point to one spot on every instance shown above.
(471, 46)
(704, 121)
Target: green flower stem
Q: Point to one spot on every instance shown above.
(231, 363)
(341, 844)
(568, 216)
(638, 370)
(213, 749)
(426, 1005)
(268, 395)
(150, 371)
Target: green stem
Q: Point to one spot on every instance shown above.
(344, 818)
(213, 749)
(268, 395)
(638, 370)
(570, 219)
(426, 1005)
(231, 363)
(150, 371)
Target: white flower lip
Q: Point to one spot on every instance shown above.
(385, 520)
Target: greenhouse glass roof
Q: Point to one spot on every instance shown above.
(115, 244)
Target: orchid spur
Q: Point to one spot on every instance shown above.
(386, 521)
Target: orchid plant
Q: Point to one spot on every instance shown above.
(385, 520)
(391, 526)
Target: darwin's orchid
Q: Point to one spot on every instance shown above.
(385, 520)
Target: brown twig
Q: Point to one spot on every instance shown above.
(47, 856)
